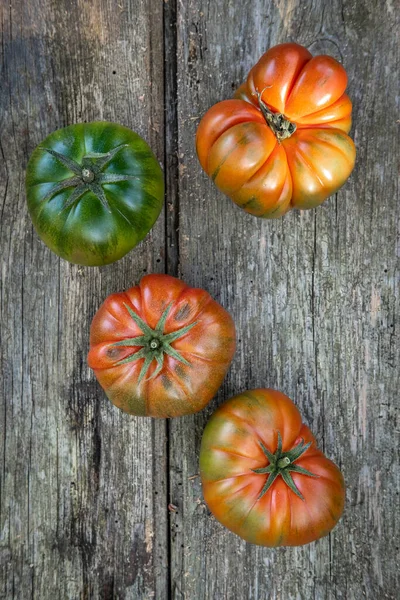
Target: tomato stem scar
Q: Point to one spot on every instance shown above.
(87, 175)
(155, 343)
(282, 464)
(279, 124)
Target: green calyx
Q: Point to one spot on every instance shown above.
(155, 343)
(88, 176)
(280, 125)
(282, 464)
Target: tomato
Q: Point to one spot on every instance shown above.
(161, 349)
(263, 475)
(282, 143)
(94, 191)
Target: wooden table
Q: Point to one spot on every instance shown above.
(315, 295)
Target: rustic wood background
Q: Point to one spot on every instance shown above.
(84, 488)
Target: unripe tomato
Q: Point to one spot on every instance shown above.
(94, 191)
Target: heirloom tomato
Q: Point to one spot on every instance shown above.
(94, 191)
(264, 477)
(282, 143)
(161, 349)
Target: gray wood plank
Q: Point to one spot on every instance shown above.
(83, 486)
(315, 299)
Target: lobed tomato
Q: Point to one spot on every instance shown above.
(161, 349)
(282, 143)
(264, 477)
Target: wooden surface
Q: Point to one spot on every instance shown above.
(84, 488)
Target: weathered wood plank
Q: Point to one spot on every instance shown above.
(83, 487)
(315, 299)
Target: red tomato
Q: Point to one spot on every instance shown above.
(282, 143)
(161, 349)
(263, 475)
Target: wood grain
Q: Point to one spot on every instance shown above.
(314, 296)
(83, 486)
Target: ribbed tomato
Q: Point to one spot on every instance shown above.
(263, 476)
(282, 143)
(161, 349)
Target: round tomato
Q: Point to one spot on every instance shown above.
(94, 191)
(161, 349)
(282, 143)
(263, 475)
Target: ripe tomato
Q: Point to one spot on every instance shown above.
(94, 191)
(263, 475)
(161, 349)
(282, 143)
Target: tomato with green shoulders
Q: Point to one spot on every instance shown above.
(263, 475)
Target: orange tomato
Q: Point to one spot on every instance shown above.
(282, 143)
(264, 477)
(161, 349)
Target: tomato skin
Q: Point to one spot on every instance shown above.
(262, 173)
(178, 389)
(90, 232)
(231, 449)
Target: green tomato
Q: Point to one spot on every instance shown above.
(94, 191)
